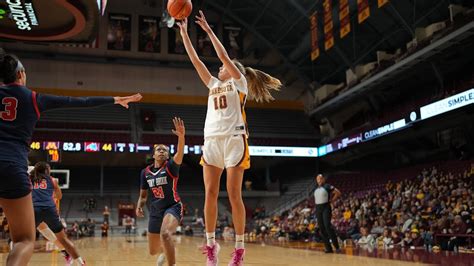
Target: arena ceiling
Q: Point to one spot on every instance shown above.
(283, 26)
(278, 35)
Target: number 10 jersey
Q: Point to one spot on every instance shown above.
(225, 107)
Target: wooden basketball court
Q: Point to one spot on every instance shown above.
(132, 251)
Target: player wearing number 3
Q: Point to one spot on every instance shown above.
(166, 210)
(20, 109)
(225, 134)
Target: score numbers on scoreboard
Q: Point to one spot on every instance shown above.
(54, 156)
(72, 146)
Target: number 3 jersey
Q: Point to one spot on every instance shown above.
(20, 109)
(225, 107)
(163, 184)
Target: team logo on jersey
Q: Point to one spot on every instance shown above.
(157, 181)
(226, 88)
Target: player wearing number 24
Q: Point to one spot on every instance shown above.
(166, 209)
(225, 133)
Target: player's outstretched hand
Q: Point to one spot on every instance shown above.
(179, 129)
(124, 101)
(183, 26)
(139, 212)
(201, 21)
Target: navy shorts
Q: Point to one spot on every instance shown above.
(50, 217)
(14, 180)
(156, 217)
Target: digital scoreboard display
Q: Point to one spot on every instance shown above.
(54, 149)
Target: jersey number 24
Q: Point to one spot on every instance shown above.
(158, 192)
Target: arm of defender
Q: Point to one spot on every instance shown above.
(49, 102)
(179, 131)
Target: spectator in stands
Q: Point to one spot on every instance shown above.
(199, 221)
(248, 184)
(353, 229)
(407, 240)
(188, 231)
(387, 241)
(347, 213)
(228, 233)
(105, 229)
(324, 195)
(427, 237)
(377, 229)
(196, 214)
(92, 204)
(396, 240)
(179, 229)
(367, 240)
(417, 241)
(458, 228)
(83, 228)
(128, 224)
(90, 227)
(75, 229)
(106, 214)
(85, 206)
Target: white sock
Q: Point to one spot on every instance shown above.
(239, 241)
(211, 238)
(161, 259)
(80, 261)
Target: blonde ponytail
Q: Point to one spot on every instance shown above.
(259, 83)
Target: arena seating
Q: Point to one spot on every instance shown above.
(424, 197)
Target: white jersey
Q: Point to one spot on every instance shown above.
(225, 107)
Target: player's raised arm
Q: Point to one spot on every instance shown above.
(179, 130)
(220, 50)
(202, 70)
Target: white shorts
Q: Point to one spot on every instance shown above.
(226, 151)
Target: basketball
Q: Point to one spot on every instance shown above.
(180, 9)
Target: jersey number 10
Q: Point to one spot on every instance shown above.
(220, 102)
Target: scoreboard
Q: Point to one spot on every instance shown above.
(90, 147)
(54, 149)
